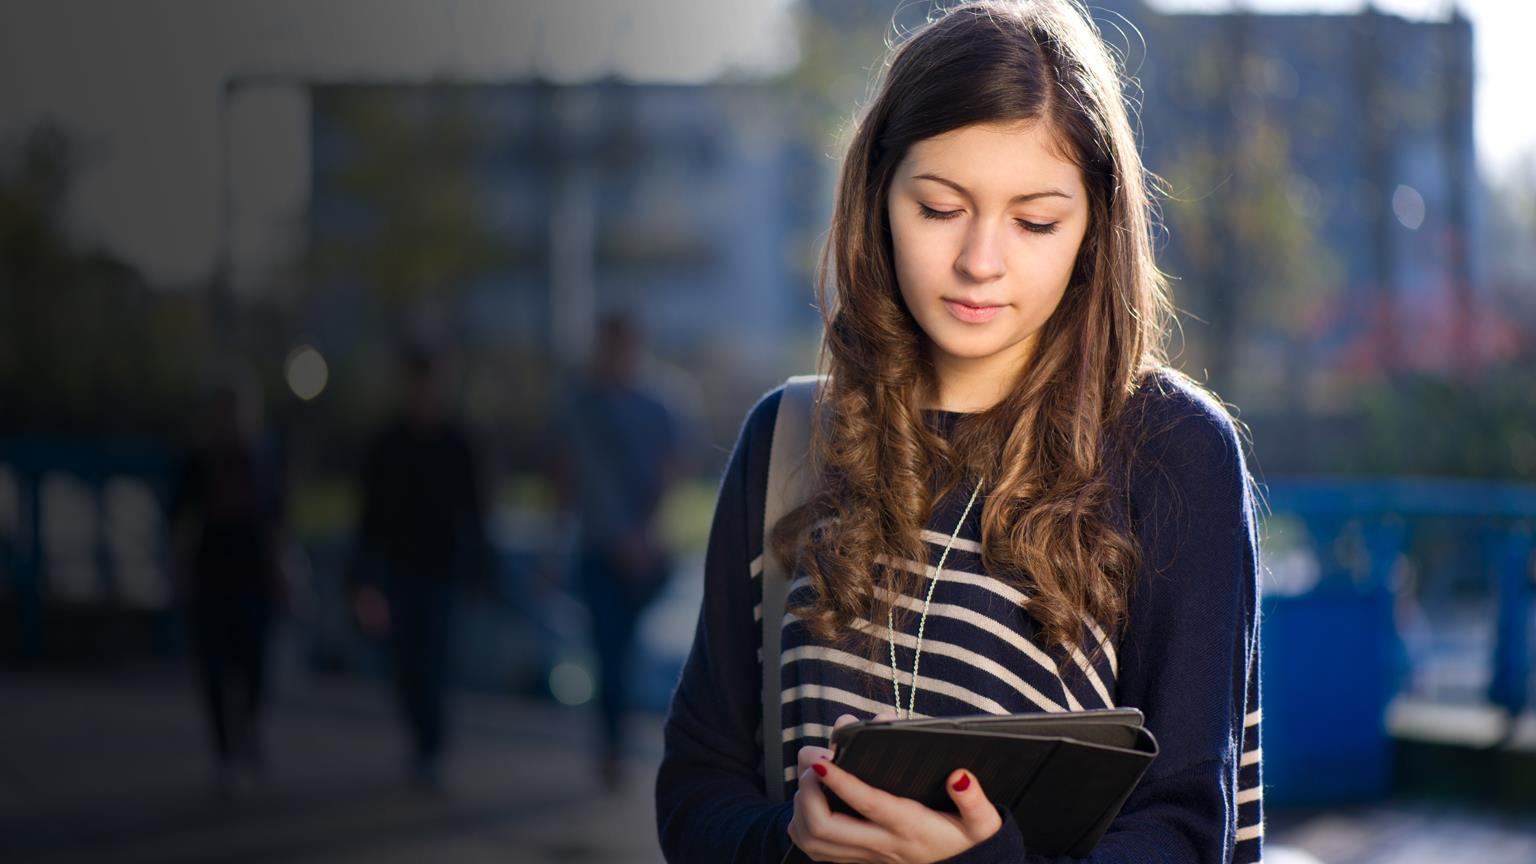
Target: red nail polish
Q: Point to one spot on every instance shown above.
(821, 770)
(963, 783)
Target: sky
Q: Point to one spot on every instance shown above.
(141, 87)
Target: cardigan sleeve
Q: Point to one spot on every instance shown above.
(710, 802)
(1189, 654)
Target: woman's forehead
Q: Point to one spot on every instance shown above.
(991, 159)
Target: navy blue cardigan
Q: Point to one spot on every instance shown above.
(1188, 658)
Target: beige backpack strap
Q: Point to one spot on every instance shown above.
(788, 486)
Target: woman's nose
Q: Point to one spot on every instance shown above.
(981, 259)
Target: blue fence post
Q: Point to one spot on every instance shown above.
(1509, 686)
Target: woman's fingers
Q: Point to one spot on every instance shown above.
(837, 724)
(977, 813)
(809, 755)
(890, 824)
(808, 825)
(845, 719)
(873, 804)
(829, 836)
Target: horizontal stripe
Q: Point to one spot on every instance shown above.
(1002, 589)
(961, 543)
(845, 698)
(823, 654)
(809, 731)
(1001, 631)
(1014, 597)
(1253, 718)
(973, 660)
(1250, 832)
(969, 658)
(996, 586)
(1253, 756)
(1244, 796)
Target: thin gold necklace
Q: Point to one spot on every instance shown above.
(890, 620)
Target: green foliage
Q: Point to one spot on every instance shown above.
(415, 179)
(686, 514)
(1438, 425)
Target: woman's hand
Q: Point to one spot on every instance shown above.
(894, 830)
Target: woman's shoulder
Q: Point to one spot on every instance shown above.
(1175, 422)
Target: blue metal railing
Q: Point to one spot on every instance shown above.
(1333, 654)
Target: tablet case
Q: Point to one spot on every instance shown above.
(1064, 776)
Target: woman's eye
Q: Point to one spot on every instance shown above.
(943, 215)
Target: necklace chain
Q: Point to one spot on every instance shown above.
(890, 621)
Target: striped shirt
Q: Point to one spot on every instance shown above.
(1188, 657)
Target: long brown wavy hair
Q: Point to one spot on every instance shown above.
(1048, 451)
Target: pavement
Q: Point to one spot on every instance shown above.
(116, 770)
(113, 768)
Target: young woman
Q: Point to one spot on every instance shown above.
(998, 408)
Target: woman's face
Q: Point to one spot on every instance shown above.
(986, 222)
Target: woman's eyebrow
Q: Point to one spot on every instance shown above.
(1028, 196)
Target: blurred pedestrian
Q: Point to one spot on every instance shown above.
(225, 512)
(421, 533)
(614, 454)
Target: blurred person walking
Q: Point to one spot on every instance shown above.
(421, 532)
(225, 512)
(614, 446)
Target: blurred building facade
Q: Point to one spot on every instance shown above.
(1342, 140)
(695, 206)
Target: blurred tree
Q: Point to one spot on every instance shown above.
(406, 232)
(1437, 424)
(1244, 222)
(1262, 270)
(87, 347)
(413, 159)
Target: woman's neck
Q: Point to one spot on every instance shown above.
(970, 386)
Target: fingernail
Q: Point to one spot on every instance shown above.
(821, 770)
(963, 783)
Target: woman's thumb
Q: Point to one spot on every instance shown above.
(975, 809)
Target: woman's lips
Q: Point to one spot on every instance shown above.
(971, 314)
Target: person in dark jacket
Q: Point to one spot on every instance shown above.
(421, 532)
(225, 512)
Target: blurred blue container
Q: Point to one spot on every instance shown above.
(1327, 679)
